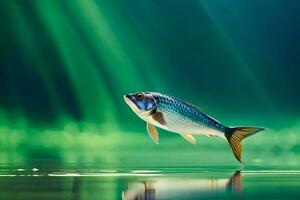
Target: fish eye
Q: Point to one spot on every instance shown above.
(139, 96)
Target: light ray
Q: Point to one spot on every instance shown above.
(243, 64)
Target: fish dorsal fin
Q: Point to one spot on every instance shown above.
(189, 104)
(189, 138)
(199, 110)
(213, 118)
(152, 131)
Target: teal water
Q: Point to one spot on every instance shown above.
(207, 182)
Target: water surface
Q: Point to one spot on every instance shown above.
(207, 182)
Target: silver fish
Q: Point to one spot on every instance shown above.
(178, 116)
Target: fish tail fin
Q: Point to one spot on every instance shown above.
(235, 135)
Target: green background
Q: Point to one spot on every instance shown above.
(65, 66)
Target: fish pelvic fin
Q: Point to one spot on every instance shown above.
(152, 131)
(235, 135)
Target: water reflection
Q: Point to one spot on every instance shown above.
(182, 188)
(165, 183)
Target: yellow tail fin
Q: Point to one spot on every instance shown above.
(235, 135)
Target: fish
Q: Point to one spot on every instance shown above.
(179, 116)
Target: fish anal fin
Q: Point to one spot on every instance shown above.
(235, 135)
(152, 131)
(188, 137)
(159, 117)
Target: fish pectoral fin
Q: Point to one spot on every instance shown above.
(159, 117)
(152, 131)
(189, 138)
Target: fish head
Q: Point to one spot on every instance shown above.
(142, 103)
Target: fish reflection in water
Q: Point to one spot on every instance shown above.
(183, 188)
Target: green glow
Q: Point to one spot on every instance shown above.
(67, 65)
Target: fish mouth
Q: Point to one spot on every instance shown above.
(127, 98)
(130, 103)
